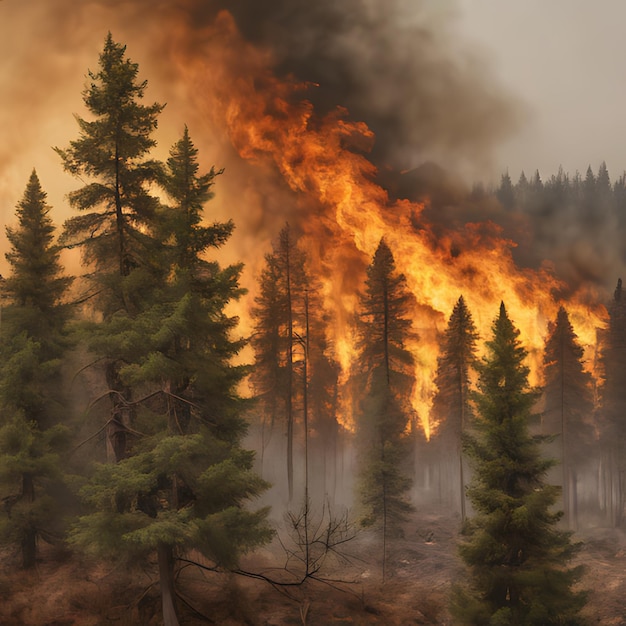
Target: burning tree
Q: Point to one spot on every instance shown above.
(384, 377)
(34, 339)
(516, 556)
(451, 404)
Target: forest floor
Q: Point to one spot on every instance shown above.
(422, 566)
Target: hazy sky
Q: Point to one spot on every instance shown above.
(562, 58)
(567, 60)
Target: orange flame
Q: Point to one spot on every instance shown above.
(321, 160)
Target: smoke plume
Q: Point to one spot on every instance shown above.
(398, 66)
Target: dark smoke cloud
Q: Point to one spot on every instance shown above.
(395, 64)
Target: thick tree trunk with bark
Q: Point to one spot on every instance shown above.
(166, 578)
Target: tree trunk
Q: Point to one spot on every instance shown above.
(117, 429)
(166, 578)
(289, 390)
(574, 500)
(29, 538)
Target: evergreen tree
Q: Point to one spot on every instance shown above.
(33, 340)
(505, 192)
(323, 391)
(613, 402)
(568, 409)
(516, 556)
(188, 479)
(112, 151)
(589, 199)
(603, 184)
(451, 404)
(115, 229)
(385, 379)
(619, 202)
(523, 192)
(279, 314)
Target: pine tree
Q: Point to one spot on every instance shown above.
(188, 479)
(568, 408)
(112, 151)
(33, 340)
(279, 318)
(323, 392)
(613, 404)
(385, 378)
(451, 403)
(516, 556)
(115, 229)
(505, 192)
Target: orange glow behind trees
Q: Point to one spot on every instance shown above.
(343, 214)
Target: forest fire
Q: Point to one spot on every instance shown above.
(286, 356)
(343, 213)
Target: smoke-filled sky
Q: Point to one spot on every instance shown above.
(478, 86)
(565, 59)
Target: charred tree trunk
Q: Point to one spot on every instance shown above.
(168, 590)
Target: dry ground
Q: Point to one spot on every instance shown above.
(66, 591)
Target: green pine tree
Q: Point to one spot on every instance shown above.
(279, 315)
(116, 225)
(385, 377)
(613, 404)
(516, 556)
(452, 402)
(187, 483)
(33, 340)
(568, 411)
(111, 154)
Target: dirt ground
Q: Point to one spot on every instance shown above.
(66, 591)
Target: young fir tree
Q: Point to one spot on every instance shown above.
(115, 228)
(33, 340)
(568, 409)
(188, 480)
(279, 315)
(386, 380)
(516, 556)
(452, 402)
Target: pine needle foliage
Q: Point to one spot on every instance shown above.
(569, 406)
(33, 339)
(386, 381)
(111, 154)
(516, 555)
(613, 404)
(186, 482)
(452, 407)
(279, 314)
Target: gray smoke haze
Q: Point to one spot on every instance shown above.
(393, 64)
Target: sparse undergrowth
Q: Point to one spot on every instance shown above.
(69, 591)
